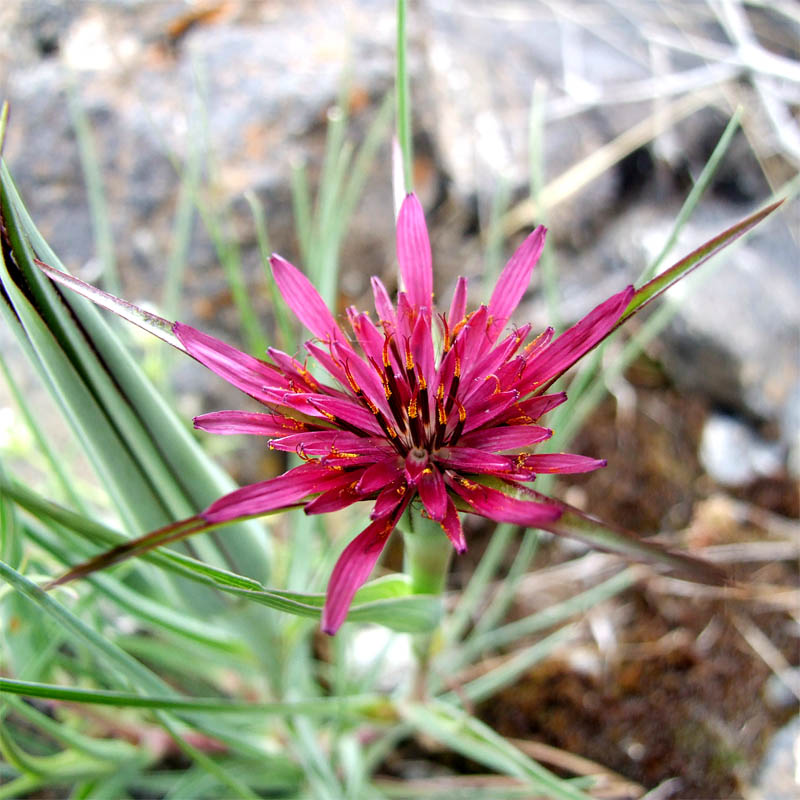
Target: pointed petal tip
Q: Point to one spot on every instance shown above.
(328, 629)
(414, 252)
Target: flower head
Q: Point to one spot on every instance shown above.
(419, 405)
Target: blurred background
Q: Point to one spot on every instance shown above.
(141, 134)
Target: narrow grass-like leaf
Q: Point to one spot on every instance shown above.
(301, 207)
(696, 258)
(513, 668)
(473, 594)
(384, 601)
(230, 258)
(184, 217)
(146, 320)
(576, 524)
(546, 267)
(158, 615)
(496, 610)
(123, 665)
(547, 617)
(55, 464)
(130, 491)
(472, 738)
(698, 190)
(3, 123)
(404, 98)
(93, 179)
(283, 326)
(199, 478)
(115, 750)
(661, 283)
(356, 707)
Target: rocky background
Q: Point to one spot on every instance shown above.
(632, 97)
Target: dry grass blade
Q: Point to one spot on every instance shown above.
(761, 645)
(572, 180)
(136, 547)
(609, 784)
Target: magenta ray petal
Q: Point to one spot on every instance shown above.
(282, 492)
(577, 341)
(535, 407)
(253, 376)
(458, 308)
(505, 438)
(499, 355)
(368, 335)
(352, 569)
(301, 296)
(383, 304)
(346, 410)
(484, 411)
(380, 475)
(294, 369)
(513, 281)
(256, 423)
(451, 525)
(388, 499)
(562, 462)
(433, 493)
(331, 442)
(421, 345)
(471, 459)
(474, 336)
(337, 497)
(415, 464)
(361, 377)
(414, 253)
(501, 507)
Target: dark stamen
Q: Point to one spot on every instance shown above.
(453, 386)
(459, 429)
(410, 373)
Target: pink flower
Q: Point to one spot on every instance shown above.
(419, 406)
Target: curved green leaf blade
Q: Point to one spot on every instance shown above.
(326, 707)
(579, 525)
(146, 320)
(682, 268)
(472, 738)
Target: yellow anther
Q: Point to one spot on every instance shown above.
(497, 381)
(532, 345)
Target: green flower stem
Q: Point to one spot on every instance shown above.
(427, 560)
(427, 552)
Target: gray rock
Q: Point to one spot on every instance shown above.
(778, 775)
(734, 455)
(736, 338)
